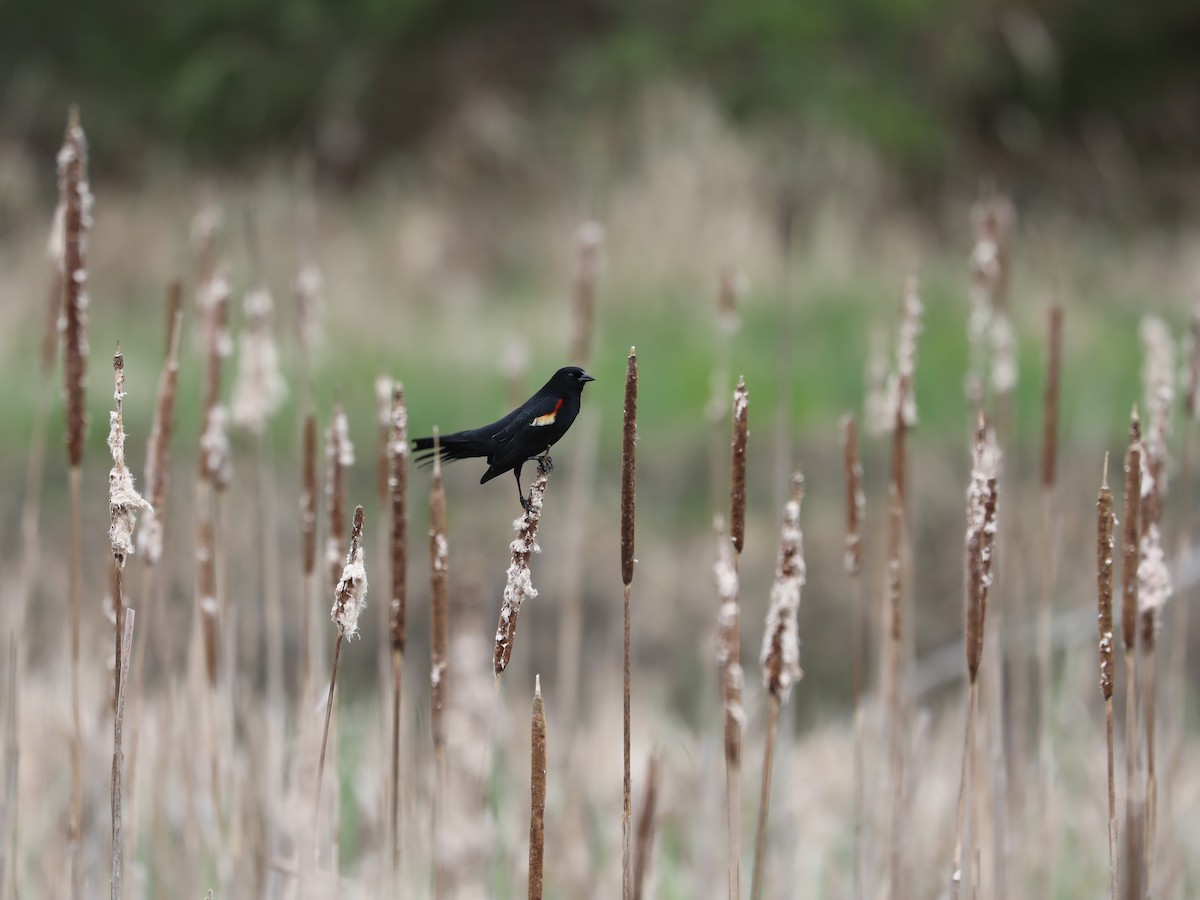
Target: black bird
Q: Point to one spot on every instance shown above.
(528, 432)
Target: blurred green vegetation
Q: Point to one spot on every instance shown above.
(930, 84)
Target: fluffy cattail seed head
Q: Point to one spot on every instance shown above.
(781, 638)
(350, 595)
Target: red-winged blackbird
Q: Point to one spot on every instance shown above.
(526, 433)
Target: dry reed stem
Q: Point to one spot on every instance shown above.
(397, 484)
(644, 848)
(729, 635)
(339, 455)
(349, 601)
(1105, 551)
(158, 447)
(76, 200)
(980, 541)
(118, 850)
(519, 584)
(628, 511)
(852, 562)
(780, 654)
(537, 792)
(1131, 539)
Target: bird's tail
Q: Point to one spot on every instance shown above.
(460, 445)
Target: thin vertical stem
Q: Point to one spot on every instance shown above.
(760, 841)
(118, 762)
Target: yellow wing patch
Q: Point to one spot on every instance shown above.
(548, 418)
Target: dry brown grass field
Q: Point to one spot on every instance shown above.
(932, 713)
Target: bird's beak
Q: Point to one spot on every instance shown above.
(585, 378)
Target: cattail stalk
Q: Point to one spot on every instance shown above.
(852, 562)
(980, 542)
(9, 806)
(645, 829)
(439, 644)
(75, 197)
(397, 485)
(628, 510)
(729, 633)
(519, 584)
(537, 792)
(780, 654)
(349, 602)
(1131, 539)
(118, 762)
(1105, 551)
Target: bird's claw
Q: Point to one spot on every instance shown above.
(545, 462)
(524, 502)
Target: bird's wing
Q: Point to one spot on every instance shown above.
(537, 412)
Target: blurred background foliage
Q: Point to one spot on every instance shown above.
(934, 87)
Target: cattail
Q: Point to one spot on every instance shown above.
(628, 509)
(351, 590)
(350, 599)
(1105, 551)
(780, 655)
(55, 250)
(737, 481)
(397, 483)
(590, 240)
(645, 829)
(1131, 534)
(980, 540)
(124, 646)
(519, 585)
(76, 198)
(258, 388)
(158, 447)
(902, 399)
(730, 670)
(1050, 421)
(537, 792)
(990, 334)
(733, 288)
(123, 500)
(310, 303)
(339, 456)
(1191, 372)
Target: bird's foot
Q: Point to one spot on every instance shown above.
(545, 462)
(524, 502)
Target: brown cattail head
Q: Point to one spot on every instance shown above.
(728, 642)
(124, 501)
(518, 585)
(980, 541)
(439, 614)
(537, 798)
(308, 496)
(590, 240)
(1131, 534)
(1050, 423)
(75, 196)
(350, 595)
(339, 454)
(398, 486)
(781, 638)
(629, 468)
(158, 447)
(737, 481)
(855, 496)
(1105, 550)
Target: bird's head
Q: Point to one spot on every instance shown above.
(571, 379)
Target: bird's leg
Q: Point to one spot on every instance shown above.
(520, 492)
